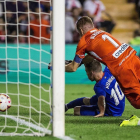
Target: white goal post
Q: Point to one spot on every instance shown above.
(35, 104)
(58, 67)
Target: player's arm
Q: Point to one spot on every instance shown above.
(72, 67)
(101, 105)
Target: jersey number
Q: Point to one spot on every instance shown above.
(104, 37)
(115, 93)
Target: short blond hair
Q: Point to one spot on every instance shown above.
(83, 21)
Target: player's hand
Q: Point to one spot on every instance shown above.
(67, 62)
(50, 66)
(99, 115)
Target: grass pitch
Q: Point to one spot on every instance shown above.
(104, 128)
(77, 127)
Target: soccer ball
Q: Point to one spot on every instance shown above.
(5, 102)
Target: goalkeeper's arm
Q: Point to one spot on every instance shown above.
(77, 62)
(72, 67)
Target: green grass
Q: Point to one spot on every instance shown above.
(105, 128)
(77, 127)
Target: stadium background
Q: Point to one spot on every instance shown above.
(78, 77)
(127, 24)
(126, 30)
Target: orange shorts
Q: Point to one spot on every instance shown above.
(129, 80)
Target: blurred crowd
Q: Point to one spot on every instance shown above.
(136, 35)
(22, 18)
(95, 9)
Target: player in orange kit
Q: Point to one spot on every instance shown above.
(120, 58)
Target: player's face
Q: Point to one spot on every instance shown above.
(90, 75)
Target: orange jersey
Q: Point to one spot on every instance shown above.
(105, 48)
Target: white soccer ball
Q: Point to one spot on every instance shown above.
(5, 102)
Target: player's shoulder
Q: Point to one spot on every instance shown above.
(82, 42)
(85, 38)
(106, 69)
(101, 83)
(107, 75)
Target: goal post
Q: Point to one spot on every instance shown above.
(58, 67)
(37, 98)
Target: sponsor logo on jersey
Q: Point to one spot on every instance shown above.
(126, 57)
(120, 50)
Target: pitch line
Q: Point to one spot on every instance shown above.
(23, 122)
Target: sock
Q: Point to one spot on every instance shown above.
(74, 103)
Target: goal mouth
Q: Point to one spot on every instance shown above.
(25, 56)
(25, 78)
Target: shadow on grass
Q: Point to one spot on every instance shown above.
(69, 115)
(91, 120)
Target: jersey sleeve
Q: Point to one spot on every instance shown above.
(80, 51)
(107, 70)
(99, 91)
(77, 59)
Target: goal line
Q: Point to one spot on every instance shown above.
(30, 125)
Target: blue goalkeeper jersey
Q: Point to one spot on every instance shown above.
(114, 97)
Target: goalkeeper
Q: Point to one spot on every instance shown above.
(109, 99)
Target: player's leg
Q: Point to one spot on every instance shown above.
(74, 103)
(134, 98)
(77, 110)
(82, 101)
(129, 80)
(90, 101)
(94, 100)
(90, 110)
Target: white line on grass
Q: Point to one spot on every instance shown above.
(23, 122)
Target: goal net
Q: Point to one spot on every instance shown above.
(25, 53)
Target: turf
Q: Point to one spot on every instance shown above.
(105, 128)
(77, 127)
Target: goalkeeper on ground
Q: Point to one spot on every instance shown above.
(108, 99)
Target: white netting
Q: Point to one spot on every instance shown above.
(24, 57)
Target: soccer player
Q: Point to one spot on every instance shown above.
(108, 99)
(120, 58)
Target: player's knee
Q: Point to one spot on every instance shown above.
(86, 101)
(77, 110)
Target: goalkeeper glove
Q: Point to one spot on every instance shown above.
(69, 61)
(66, 63)
(50, 66)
